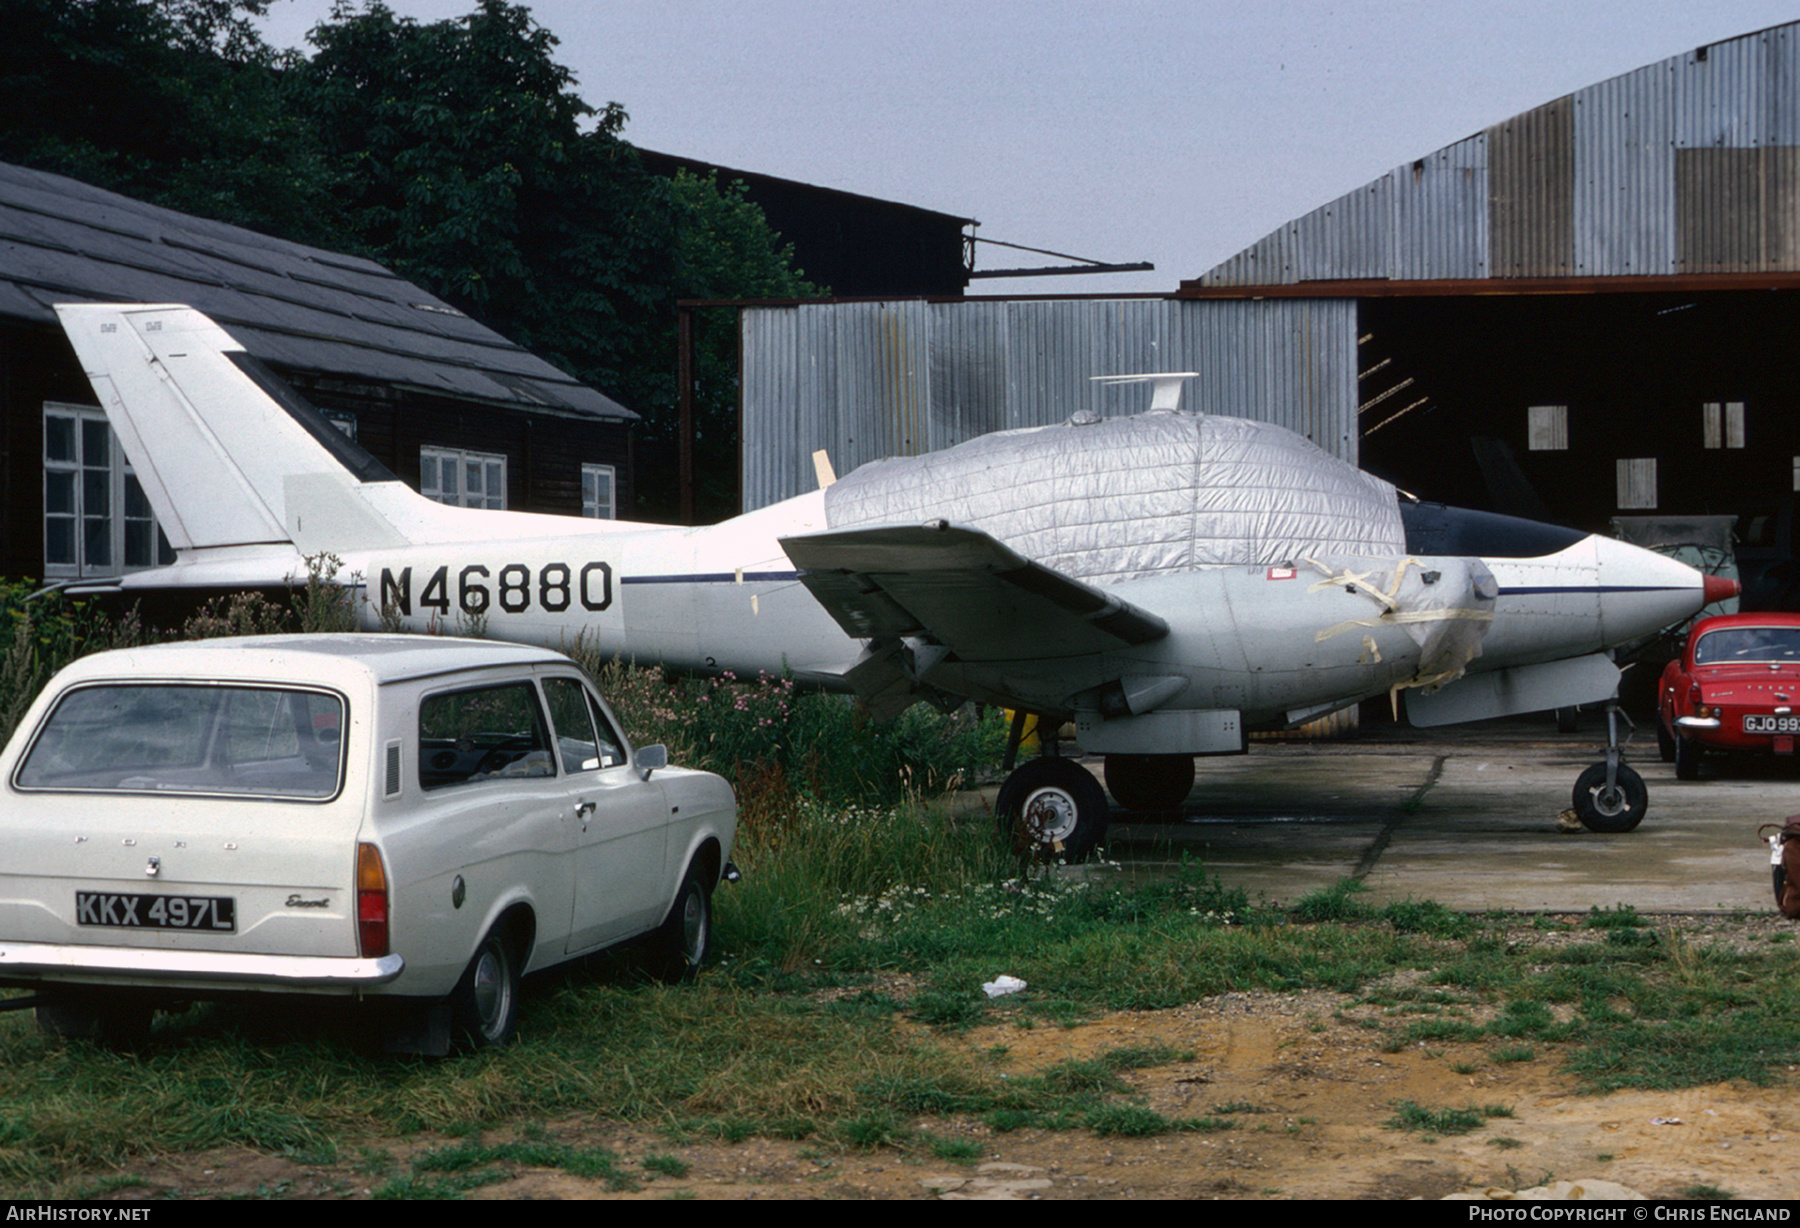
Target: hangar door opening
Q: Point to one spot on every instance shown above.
(1579, 408)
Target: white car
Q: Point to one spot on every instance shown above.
(406, 820)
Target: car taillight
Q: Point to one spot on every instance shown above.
(371, 902)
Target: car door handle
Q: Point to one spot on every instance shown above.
(584, 809)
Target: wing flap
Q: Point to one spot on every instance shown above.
(963, 589)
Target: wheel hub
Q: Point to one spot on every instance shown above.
(1050, 815)
(491, 989)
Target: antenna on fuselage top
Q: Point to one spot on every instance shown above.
(1165, 394)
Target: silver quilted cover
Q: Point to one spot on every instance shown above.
(1125, 498)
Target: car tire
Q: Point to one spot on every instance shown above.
(1619, 809)
(117, 1025)
(484, 1006)
(1665, 741)
(1053, 809)
(680, 944)
(1687, 758)
(1150, 782)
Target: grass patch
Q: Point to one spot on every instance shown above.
(1337, 902)
(1411, 1116)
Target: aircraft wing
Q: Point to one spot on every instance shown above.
(964, 590)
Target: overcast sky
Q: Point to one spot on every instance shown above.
(1177, 133)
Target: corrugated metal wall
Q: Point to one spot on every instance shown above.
(869, 380)
(1688, 165)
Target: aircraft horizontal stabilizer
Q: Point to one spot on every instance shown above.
(964, 590)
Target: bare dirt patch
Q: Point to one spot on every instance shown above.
(1309, 1088)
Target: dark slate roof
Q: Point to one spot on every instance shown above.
(292, 306)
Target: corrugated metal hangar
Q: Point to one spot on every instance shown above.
(1578, 313)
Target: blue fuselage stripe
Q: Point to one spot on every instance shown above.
(1539, 590)
(717, 577)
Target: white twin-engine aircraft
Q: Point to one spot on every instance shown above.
(1167, 581)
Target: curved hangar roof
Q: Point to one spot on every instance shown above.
(291, 305)
(1686, 166)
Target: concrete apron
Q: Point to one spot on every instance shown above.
(1470, 822)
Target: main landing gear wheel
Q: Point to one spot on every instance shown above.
(1616, 809)
(1150, 782)
(1053, 808)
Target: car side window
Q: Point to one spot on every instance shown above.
(576, 742)
(612, 746)
(482, 734)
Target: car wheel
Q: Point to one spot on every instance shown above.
(484, 1006)
(118, 1025)
(1150, 782)
(1687, 758)
(1665, 741)
(680, 944)
(1054, 808)
(1617, 809)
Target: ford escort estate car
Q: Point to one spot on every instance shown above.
(1733, 688)
(405, 820)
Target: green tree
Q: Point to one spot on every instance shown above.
(455, 152)
(467, 162)
(178, 102)
(724, 249)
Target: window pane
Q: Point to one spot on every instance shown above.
(59, 541)
(96, 492)
(137, 503)
(59, 439)
(59, 493)
(96, 440)
(96, 542)
(137, 543)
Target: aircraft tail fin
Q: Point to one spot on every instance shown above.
(227, 454)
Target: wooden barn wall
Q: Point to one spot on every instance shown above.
(544, 453)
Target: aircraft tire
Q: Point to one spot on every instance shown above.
(1054, 809)
(1687, 758)
(1665, 741)
(1150, 782)
(1619, 810)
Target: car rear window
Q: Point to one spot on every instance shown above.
(1748, 644)
(246, 741)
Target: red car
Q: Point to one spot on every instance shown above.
(1734, 687)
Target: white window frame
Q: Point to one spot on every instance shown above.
(116, 484)
(592, 506)
(431, 462)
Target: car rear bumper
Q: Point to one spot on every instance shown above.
(89, 965)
